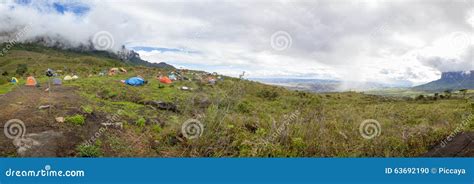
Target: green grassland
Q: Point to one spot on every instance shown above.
(243, 118)
(398, 92)
(405, 92)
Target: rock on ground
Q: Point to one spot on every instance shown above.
(42, 144)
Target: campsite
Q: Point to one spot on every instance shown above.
(251, 92)
(80, 112)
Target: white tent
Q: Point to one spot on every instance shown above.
(68, 77)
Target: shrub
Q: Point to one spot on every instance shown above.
(448, 93)
(4, 80)
(87, 109)
(244, 107)
(297, 143)
(261, 132)
(302, 94)
(156, 128)
(420, 97)
(107, 94)
(141, 122)
(463, 92)
(268, 94)
(76, 119)
(21, 69)
(85, 150)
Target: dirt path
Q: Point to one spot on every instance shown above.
(461, 145)
(54, 139)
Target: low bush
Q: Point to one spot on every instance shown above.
(85, 150)
(76, 120)
(268, 94)
(140, 122)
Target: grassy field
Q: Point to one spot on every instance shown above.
(403, 92)
(241, 118)
(398, 93)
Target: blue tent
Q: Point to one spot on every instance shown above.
(173, 77)
(135, 81)
(14, 80)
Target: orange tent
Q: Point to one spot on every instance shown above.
(165, 80)
(30, 81)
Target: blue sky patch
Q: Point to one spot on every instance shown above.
(61, 7)
(78, 9)
(162, 49)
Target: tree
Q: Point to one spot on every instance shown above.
(448, 93)
(463, 92)
(21, 69)
(420, 97)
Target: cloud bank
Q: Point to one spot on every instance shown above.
(362, 40)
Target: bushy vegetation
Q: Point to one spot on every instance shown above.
(76, 120)
(87, 109)
(21, 69)
(140, 122)
(247, 119)
(4, 80)
(268, 94)
(85, 150)
(242, 116)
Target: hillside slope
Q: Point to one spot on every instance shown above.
(238, 118)
(70, 61)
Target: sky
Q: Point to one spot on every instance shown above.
(391, 42)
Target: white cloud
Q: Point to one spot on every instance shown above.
(378, 41)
